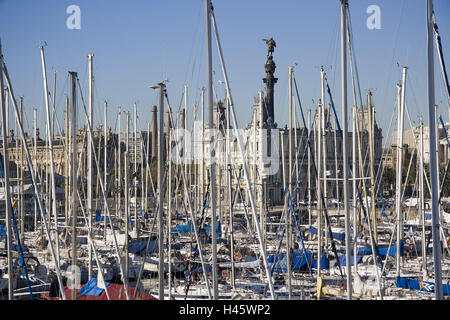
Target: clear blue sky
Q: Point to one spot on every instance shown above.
(137, 43)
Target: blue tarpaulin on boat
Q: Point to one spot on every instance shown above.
(2, 230)
(14, 247)
(364, 251)
(299, 261)
(325, 264)
(91, 289)
(138, 247)
(187, 273)
(208, 229)
(343, 260)
(416, 284)
(99, 217)
(393, 250)
(336, 235)
(183, 228)
(186, 228)
(383, 251)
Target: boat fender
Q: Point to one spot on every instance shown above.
(238, 256)
(319, 288)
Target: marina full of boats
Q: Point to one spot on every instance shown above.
(217, 211)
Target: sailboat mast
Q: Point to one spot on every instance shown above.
(260, 103)
(372, 169)
(20, 197)
(169, 202)
(74, 181)
(142, 184)
(126, 196)
(289, 216)
(89, 161)
(422, 202)
(294, 111)
(202, 163)
(230, 188)
(336, 167)
(185, 148)
(319, 190)
(136, 224)
(261, 178)
(433, 164)
(105, 163)
(398, 193)
(119, 175)
(6, 181)
(212, 171)
(160, 191)
(441, 61)
(398, 183)
(309, 169)
(7, 115)
(52, 163)
(53, 105)
(286, 205)
(67, 165)
(344, 5)
(354, 186)
(35, 154)
(324, 149)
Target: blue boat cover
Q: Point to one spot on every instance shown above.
(15, 247)
(138, 247)
(2, 230)
(99, 217)
(91, 289)
(364, 251)
(343, 259)
(325, 264)
(208, 229)
(187, 273)
(415, 284)
(393, 250)
(383, 251)
(186, 228)
(299, 261)
(183, 228)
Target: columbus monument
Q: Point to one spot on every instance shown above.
(269, 80)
